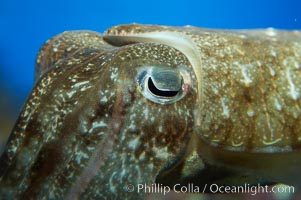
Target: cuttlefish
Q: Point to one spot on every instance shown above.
(144, 104)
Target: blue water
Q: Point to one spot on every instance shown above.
(26, 25)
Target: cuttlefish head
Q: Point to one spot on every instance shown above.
(102, 116)
(148, 93)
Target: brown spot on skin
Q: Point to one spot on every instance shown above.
(247, 95)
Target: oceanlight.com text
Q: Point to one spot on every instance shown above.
(209, 188)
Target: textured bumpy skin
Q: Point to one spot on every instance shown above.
(86, 131)
(96, 120)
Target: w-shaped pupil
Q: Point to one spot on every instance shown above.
(158, 92)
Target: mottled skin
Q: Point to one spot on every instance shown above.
(249, 85)
(87, 129)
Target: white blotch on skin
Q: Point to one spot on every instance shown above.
(77, 85)
(146, 112)
(80, 155)
(70, 93)
(104, 99)
(151, 166)
(90, 148)
(225, 108)
(132, 126)
(133, 144)
(100, 133)
(271, 32)
(85, 88)
(294, 93)
(122, 174)
(142, 156)
(160, 128)
(273, 53)
(247, 77)
(215, 91)
(13, 149)
(112, 185)
(250, 112)
(114, 74)
(259, 63)
(162, 153)
(100, 124)
(278, 105)
(272, 71)
(83, 125)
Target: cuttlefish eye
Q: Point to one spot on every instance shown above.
(161, 84)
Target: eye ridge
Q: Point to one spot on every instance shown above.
(163, 93)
